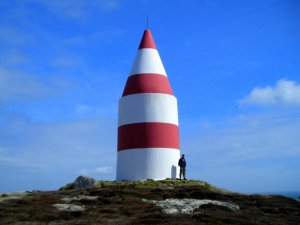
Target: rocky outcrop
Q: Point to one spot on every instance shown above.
(187, 206)
(80, 182)
(83, 182)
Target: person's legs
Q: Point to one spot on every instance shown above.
(184, 173)
(180, 173)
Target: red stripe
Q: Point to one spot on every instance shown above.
(147, 83)
(148, 135)
(147, 40)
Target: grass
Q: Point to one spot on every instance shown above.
(172, 183)
(121, 202)
(158, 183)
(4, 196)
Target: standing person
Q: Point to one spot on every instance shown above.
(182, 164)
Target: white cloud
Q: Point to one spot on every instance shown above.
(284, 92)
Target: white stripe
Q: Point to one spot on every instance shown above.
(148, 163)
(154, 107)
(147, 60)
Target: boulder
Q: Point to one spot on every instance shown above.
(83, 182)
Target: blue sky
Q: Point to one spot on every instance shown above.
(233, 65)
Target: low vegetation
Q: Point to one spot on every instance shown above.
(3, 195)
(159, 183)
(125, 203)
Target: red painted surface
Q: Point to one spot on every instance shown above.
(148, 135)
(147, 83)
(147, 40)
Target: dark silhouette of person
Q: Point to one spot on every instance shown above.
(182, 164)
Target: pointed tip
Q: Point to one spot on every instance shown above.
(147, 40)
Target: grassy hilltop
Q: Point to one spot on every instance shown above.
(147, 202)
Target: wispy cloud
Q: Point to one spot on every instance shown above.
(18, 85)
(83, 110)
(250, 137)
(16, 37)
(56, 152)
(284, 92)
(98, 170)
(79, 9)
(246, 149)
(17, 162)
(14, 57)
(68, 61)
(8, 159)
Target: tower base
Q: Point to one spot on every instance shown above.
(147, 163)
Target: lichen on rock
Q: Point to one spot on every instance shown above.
(187, 206)
(69, 207)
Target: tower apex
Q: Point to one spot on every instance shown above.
(147, 40)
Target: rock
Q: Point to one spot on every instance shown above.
(69, 207)
(80, 182)
(186, 206)
(83, 182)
(79, 198)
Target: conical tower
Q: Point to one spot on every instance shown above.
(148, 132)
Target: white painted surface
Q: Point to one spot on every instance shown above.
(147, 163)
(153, 107)
(147, 60)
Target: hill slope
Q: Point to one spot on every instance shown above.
(150, 202)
